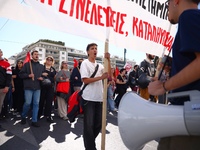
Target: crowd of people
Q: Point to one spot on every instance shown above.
(24, 83)
(32, 88)
(26, 91)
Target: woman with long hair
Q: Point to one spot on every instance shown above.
(18, 88)
(63, 76)
(121, 85)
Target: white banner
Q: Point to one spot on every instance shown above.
(133, 24)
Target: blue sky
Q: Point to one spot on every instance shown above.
(14, 35)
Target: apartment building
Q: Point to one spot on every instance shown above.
(60, 52)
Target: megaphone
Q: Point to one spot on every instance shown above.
(141, 121)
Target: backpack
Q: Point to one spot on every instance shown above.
(144, 73)
(75, 106)
(133, 78)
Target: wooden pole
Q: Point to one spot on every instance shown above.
(159, 67)
(104, 109)
(31, 69)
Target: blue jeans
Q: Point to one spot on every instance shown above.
(110, 99)
(31, 97)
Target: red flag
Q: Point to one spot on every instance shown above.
(117, 71)
(28, 58)
(75, 63)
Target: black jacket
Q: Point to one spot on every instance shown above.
(30, 84)
(5, 74)
(76, 73)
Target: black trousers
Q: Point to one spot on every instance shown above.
(92, 123)
(119, 97)
(18, 99)
(46, 99)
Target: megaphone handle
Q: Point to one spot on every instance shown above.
(193, 94)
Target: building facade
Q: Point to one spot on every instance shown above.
(60, 53)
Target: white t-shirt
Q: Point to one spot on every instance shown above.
(94, 90)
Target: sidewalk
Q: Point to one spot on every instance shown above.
(58, 135)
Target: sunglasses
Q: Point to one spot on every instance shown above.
(50, 59)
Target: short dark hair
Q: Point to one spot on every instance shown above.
(196, 1)
(90, 45)
(136, 66)
(34, 51)
(121, 70)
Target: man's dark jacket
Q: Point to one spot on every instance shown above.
(30, 84)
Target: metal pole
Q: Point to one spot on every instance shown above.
(124, 56)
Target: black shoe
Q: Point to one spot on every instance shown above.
(23, 121)
(35, 124)
(50, 120)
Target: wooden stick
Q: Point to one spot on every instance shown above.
(159, 67)
(31, 69)
(104, 109)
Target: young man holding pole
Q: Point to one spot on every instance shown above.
(92, 96)
(31, 74)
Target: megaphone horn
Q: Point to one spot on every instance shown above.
(141, 121)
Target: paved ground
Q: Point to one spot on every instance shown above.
(60, 135)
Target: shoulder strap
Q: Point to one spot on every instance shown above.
(64, 74)
(78, 69)
(92, 76)
(95, 71)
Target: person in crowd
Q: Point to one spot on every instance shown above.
(47, 90)
(132, 79)
(18, 94)
(164, 76)
(147, 66)
(110, 91)
(63, 76)
(121, 86)
(92, 95)
(31, 73)
(8, 102)
(185, 73)
(5, 78)
(75, 78)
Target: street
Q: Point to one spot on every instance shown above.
(58, 135)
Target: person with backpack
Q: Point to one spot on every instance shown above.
(145, 75)
(92, 95)
(132, 79)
